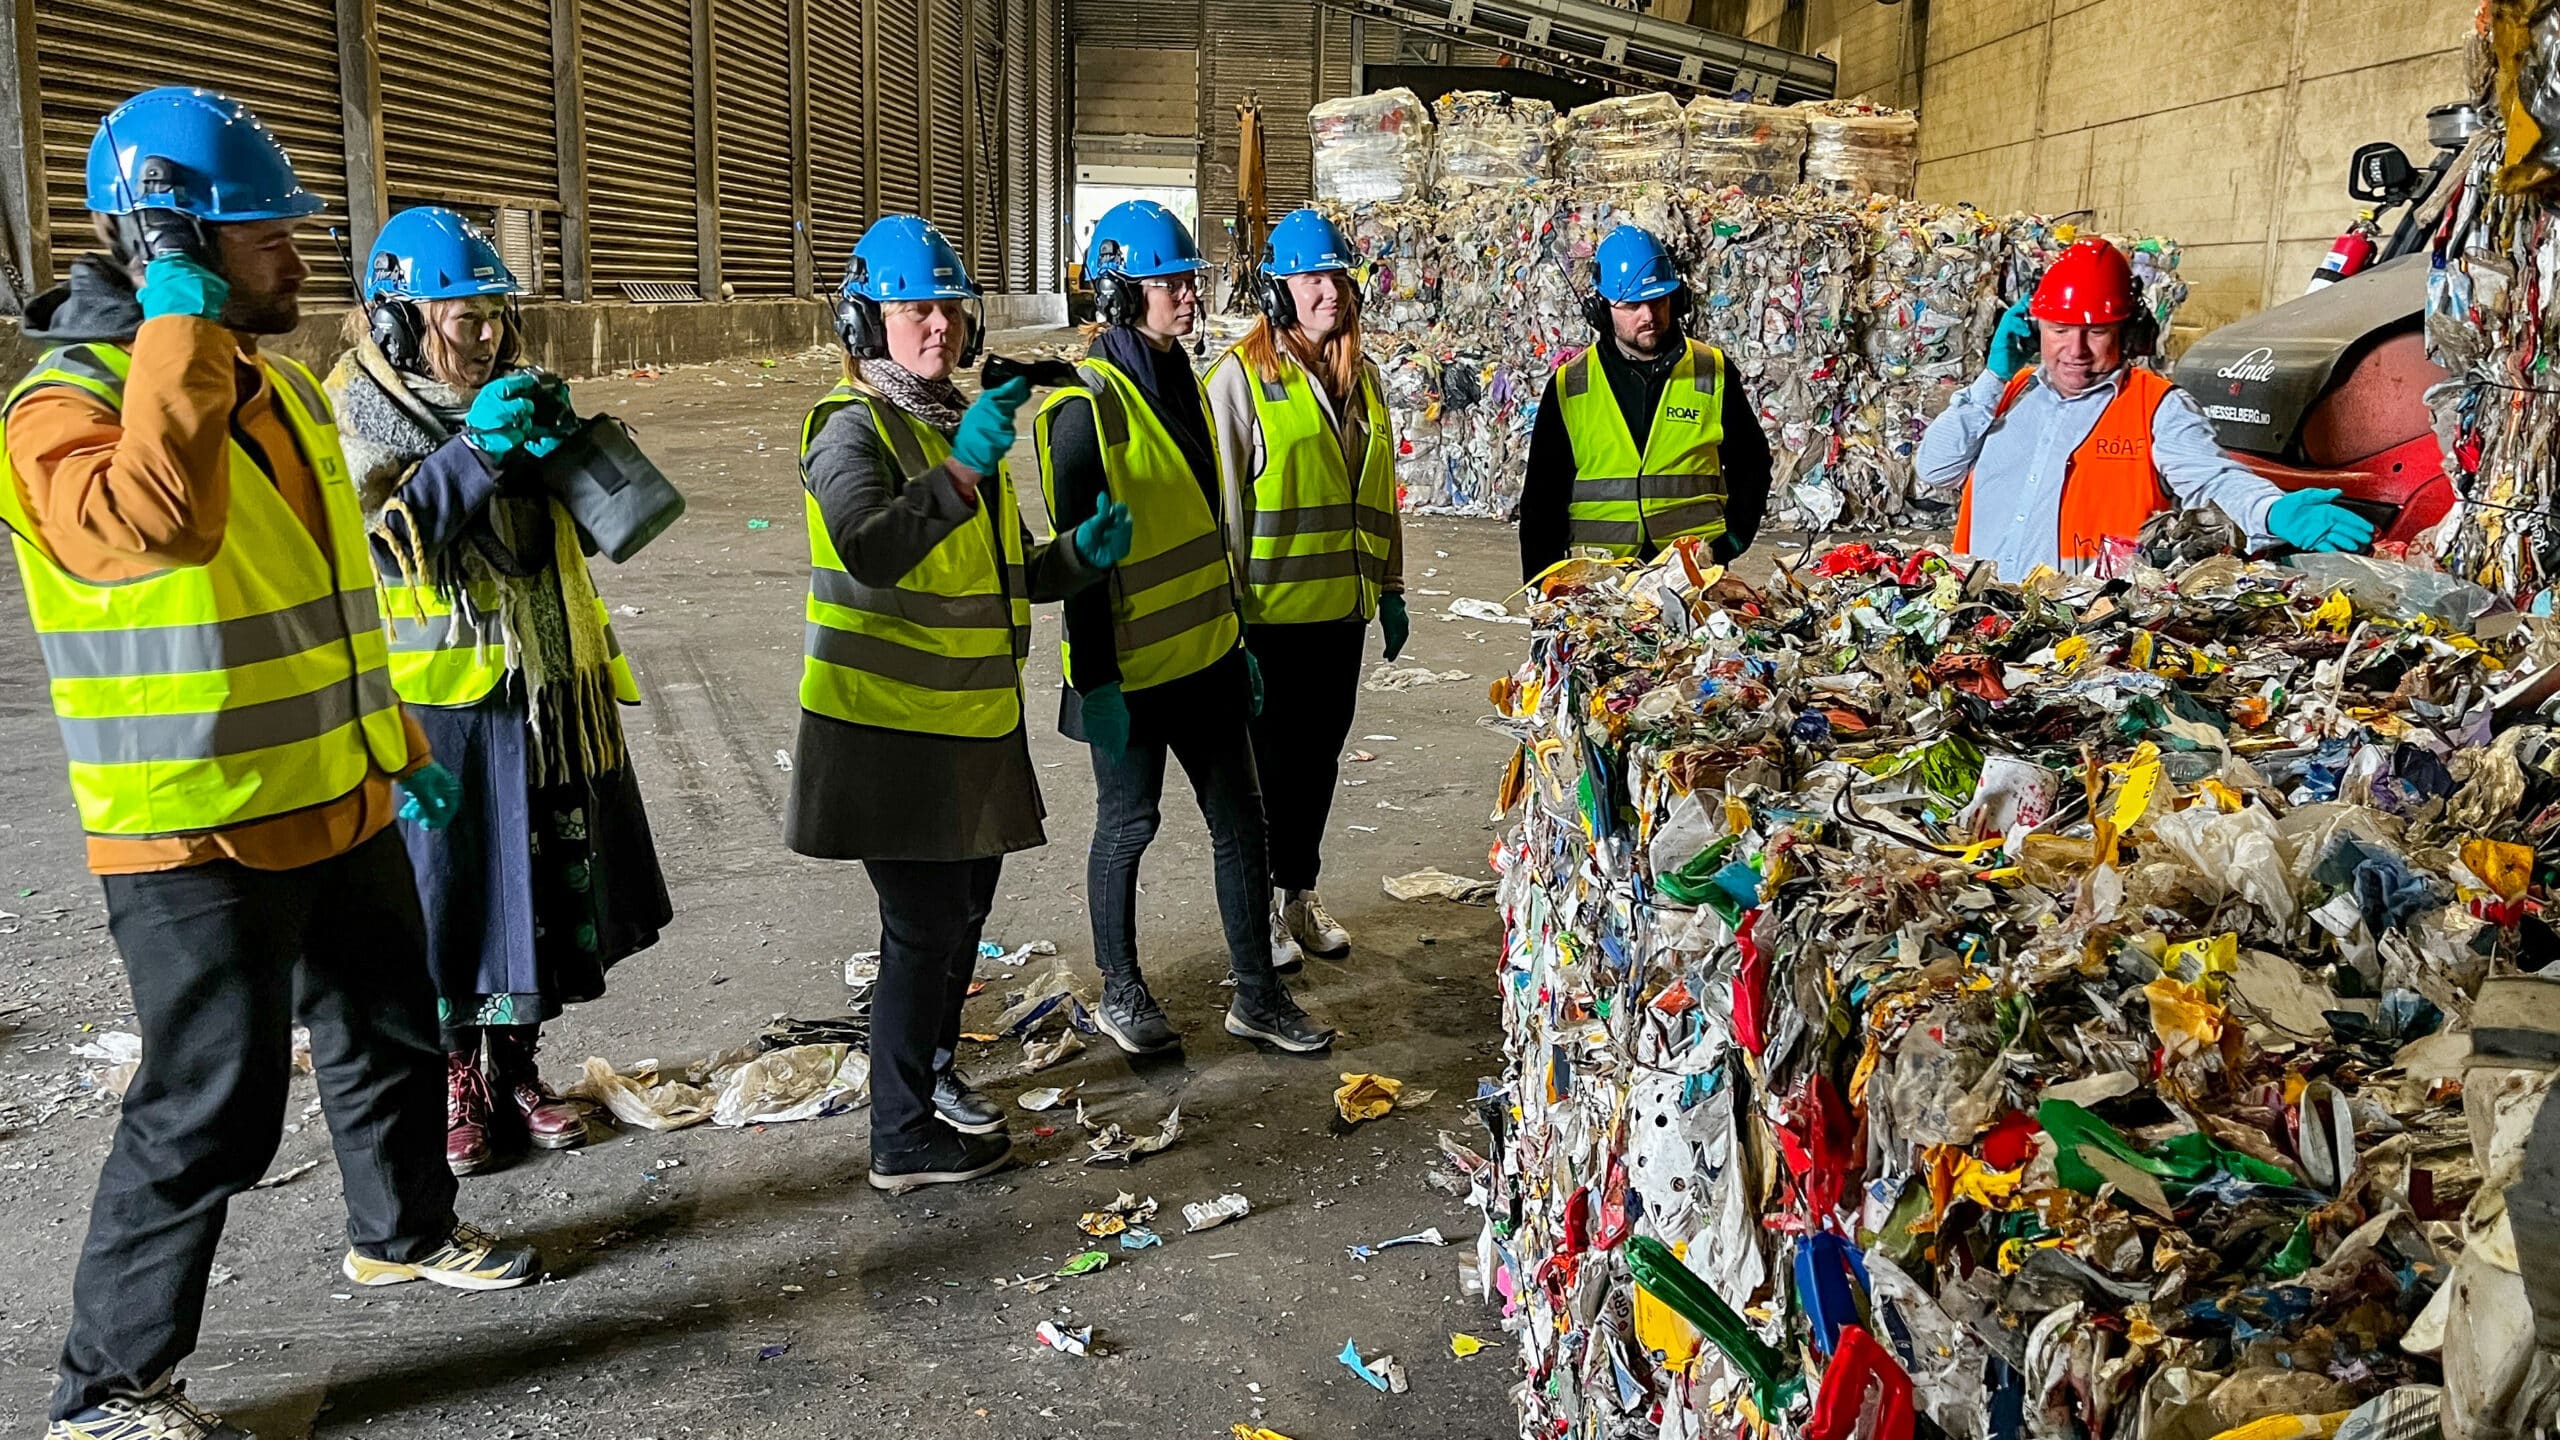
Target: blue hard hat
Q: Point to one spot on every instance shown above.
(901, 257)
(221, 164)
(1633, 267)
(1139, 239)
(431, 253)
(1305, 243)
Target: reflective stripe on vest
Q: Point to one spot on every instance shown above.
(1173, 607)
(208, 695)
(1622, 499)
(2109, 485)
(441, 655)
(941, 651)
(1319, 546)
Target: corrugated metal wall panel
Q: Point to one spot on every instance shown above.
(947, 112)
(1022, 52)
(986, 159)
(1049, 142)
(499, 148)
(1172, 24)
(839, 140)
(1334, 81)
(1265, 48)
(898, 123)
(1131, 90)
(751, 42)
(640, 172)
(91, 55)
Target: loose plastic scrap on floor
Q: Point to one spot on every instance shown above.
(2039, 1008)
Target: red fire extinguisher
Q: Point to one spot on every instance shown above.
(2353, 251)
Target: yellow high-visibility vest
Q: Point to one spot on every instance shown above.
(1173, 600)
(206, 695)
(1320, 543)
(940, 652)
(1621, 499)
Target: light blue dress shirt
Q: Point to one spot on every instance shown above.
(2017, 464)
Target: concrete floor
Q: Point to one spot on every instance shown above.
(754, 1285)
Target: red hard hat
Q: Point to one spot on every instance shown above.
(2090, 285)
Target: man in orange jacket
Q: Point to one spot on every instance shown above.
(2060, 444)
(195, 567)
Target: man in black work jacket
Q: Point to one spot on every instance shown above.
(1646, 436)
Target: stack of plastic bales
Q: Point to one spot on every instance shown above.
(1372, 147)
(1485, 137)
(1932, 298)
(1624, 141)
(1777, 283)
(1758, 149)
(2039, 1009)
(1855, 149)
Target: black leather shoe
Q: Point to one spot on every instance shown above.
(959, 1105)
(946, 1159)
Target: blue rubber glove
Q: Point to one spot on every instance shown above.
(2014, 346)
(1102, 541)
(1395, 622)
(501, 416)
(434, 795)
(986, 429)
(1253, 680)
(1106, 719)
(181, 285)
(2310, 520)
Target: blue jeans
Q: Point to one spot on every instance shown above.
(1217, 753)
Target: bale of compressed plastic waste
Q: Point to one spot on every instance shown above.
(2034, 1007)
(1372, 148)
(1622, 141)
(1854, 149)
(1758, 149)
(1488, 137)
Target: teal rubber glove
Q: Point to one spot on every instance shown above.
(1253, 680)
(1106, 719)
(1395, 622)
(433, 796)
(986, 429)
(502, 414)
(2311, 520)
(2013, 345)
(181, 285)
(1102, 541)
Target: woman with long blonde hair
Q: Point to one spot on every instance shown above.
(547, 876)
(1309, 460)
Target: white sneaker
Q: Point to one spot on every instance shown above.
(1286, 957)
(1315, 931)
(162, 1414)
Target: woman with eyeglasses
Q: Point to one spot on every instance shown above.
(1155, 658)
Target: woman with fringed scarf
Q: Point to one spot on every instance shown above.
(502, 649)
(913, 757)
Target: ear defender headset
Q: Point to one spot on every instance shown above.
(865, 333)
(1115, 297)
(399, 327)
(1595, 310)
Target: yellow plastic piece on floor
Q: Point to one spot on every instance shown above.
(1463, 1345)
(1366, 1097)
(1255, 1432)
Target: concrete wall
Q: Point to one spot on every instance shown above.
(2223, 123)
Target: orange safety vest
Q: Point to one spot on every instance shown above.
(2109, 485)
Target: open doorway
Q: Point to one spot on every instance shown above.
(1094, 198)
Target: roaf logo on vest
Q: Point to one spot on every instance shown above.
(1687, 414)
(2120, 447)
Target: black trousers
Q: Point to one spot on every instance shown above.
(1310, 687)
(1129, 808)
(932, 913)
(222, 959)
